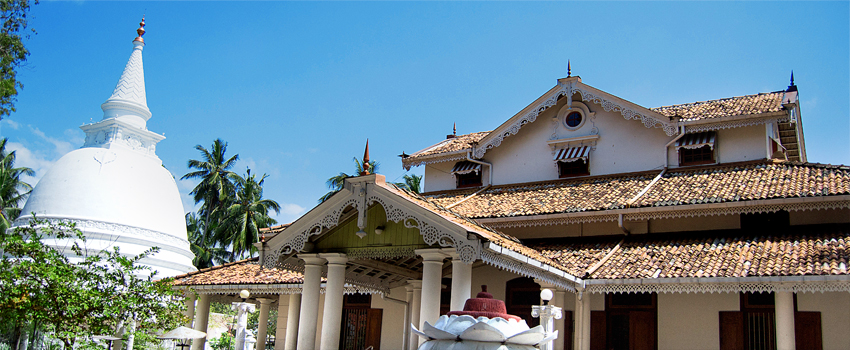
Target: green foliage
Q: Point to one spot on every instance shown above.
(13, 54)
(233, 208)
(13, 190)
(412, 183)
(335, 183)
(75, 299)
(224, 342)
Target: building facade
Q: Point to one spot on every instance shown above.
(694, 226)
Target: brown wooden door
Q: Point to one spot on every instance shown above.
(807, 329)
(567, 336)
(373, 328)
(598, 330)
(642, 330)
(731, 330)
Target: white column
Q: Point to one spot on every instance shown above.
(582, 321)
(432, 271)
(202, 316)
(309, 301)
(785, 337)
(189, 299)
(293, 317)
(414, 289)
(262, 328)
(461, 281)
(560, 301)
(332, 314)
(280, 331)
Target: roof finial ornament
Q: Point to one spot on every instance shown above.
(569, 71)
(454, 129)
(791, 87)
(141, 31)
(365, 165)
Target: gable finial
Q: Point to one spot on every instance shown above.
(791, 87)
(365, 165)
(140, 31)
(792, 77)
(569, 71)
(454, 129)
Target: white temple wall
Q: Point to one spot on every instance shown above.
(392, 325)
(691, 321)
(835, 316)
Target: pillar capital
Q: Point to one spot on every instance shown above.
(414, 285)
(265, 301)
(334, 258)
(430, 255)
(311, 259)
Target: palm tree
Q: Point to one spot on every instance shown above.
(246, 215)
(216, 180)
(207, 253)
(335, 182)
(412, 183)
(13, 190)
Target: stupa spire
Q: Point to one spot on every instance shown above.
(128, 100)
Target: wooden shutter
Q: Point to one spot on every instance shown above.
(807, 329)
(598, 331)
(731, 330)
(642, 330)
(373, 328)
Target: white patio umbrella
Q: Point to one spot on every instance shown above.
(182, 333)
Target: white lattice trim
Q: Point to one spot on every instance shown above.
(750, 287)
(253, 288)
(296, 242)
(468, 250)
(436, 158)
(381, 253)
(586, 96)
(639, 214)
(519, 268)
(735, 124)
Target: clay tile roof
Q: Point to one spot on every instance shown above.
(491, 235)
(239, 272)
(808, 250)
(725, 107)
(692, 185)
(458, 143)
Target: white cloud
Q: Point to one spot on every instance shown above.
(37, 161)
(61, 147)
(291, 209)
(11, 123)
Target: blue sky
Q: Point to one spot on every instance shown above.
(295, 88)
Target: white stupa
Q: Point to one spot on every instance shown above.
(115, 188)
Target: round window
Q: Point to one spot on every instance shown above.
(573, 119)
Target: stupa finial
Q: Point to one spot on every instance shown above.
(141, 31)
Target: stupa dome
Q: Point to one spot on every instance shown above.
(115, 188)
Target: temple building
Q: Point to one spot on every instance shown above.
(691, 226)
(114, 188)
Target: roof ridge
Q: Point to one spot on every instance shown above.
(716, 100)
(211, 268)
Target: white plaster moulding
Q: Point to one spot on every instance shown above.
(677, 211)
(84, 223)
(268, 289)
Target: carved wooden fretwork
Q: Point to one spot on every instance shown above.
(569, 90)
(518, 268)
(380, 253)
(429, 160)
(671, 214)
(468, 250)
(735, 124)
(751, 287)
(296, 242)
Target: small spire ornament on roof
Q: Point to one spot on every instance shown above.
(569, 70)
(454, 129)
(791, 87)
(365, 165)
(140, 31)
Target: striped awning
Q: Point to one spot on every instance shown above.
(697, 140)
(572, 154)
(466, 167)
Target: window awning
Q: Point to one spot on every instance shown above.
(697, 140)
(466, 167)
(572, 154)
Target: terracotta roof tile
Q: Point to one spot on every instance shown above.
(458, 143)
(725, 107)
(808, 250)
(707, 184)
(239, 272)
